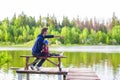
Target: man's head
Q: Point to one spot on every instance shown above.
(44, 31)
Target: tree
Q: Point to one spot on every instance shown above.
(99, 36)
(115, 20)
(66, 33)
(39, 22)
(65, 22)
(92, 37)
(115, 33)
(37, 31)
(1, 35)
(6, 36)
(108, 40)
(75, 35)
(30, 21)
(84, 35)
(53, 40)
(12, 22)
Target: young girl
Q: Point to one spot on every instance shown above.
(45, 50)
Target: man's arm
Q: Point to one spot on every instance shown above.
(49, 36)
(52, 36)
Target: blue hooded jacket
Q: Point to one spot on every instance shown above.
(38, 45)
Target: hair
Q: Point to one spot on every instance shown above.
(44, 30)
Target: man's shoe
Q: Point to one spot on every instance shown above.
(32, 67)
(38, 68)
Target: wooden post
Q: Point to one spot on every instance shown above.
(59, 64)
(64, 77)
(27, 62)
(27, 77)
(19, 76)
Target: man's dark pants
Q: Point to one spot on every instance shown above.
(37, 59)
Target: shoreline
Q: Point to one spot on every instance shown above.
(104, 49)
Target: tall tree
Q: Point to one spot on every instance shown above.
(65, 21)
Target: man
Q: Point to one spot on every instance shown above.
(37, 47)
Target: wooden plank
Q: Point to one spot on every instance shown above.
(71, 75)
(82, 77)
(79, 70)
(43, 56)
(82, 74)
(42, 71)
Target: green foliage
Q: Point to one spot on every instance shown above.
(54, 40)
(4, 58)
(66, 32)
(75, 35)
(92, 37)
(85, 34)
(23, 29)
(115, 34)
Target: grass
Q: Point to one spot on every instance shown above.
(30, 44)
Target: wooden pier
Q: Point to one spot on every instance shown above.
(81, 74)
(68, 73)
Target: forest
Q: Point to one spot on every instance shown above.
(22, 29)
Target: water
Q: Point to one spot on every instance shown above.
(106, 65)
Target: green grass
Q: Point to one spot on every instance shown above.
(26, 44)
(30, 44)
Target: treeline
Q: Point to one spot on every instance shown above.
(23, 28)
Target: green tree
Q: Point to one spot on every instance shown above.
(1, 35)
(37, 31)
(84, 36)
(75, 35)
(12, 22)
(108, 40)
(66, 33)
(53, 40)
(99, 36)
(115, 20)
(115, 33)
(65, 22)
(6, 36)
(92, 37)
(30, 21)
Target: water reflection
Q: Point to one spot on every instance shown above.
(107, 65)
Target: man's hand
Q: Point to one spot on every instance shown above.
(59, 36)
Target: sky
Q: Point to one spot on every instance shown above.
(101, 9)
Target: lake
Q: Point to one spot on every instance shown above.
(106, 65)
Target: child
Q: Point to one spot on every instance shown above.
(45, 50)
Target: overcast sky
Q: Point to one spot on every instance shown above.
(102, 9)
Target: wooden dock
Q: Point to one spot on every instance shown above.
(81, 74)
(68, 73)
